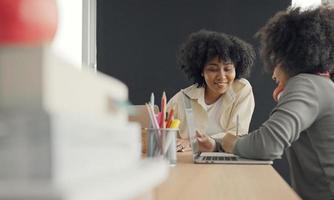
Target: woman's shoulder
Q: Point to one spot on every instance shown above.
(307, 77)
(191, 91)
(310, 81)
(241, 85)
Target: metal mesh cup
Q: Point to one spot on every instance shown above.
(162, 143)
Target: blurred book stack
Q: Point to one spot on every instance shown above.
(64, 132)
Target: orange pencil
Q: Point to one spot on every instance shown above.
(170, 118)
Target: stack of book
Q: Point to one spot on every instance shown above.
(64, 132)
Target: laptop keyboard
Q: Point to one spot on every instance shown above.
(212, 158)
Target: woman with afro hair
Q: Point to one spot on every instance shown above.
(298, 47)
(216, 63)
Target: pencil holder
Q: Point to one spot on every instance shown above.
(162, 143)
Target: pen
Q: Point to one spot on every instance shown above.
(151, 137)
(154, 124)
(152, 117)
(152, 100)
(159, 115)
(163, 109)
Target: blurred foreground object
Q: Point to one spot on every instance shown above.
(27, 21)
(64, 132)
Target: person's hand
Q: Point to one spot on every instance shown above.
(228, 142)
(205, 143)
(182, 145)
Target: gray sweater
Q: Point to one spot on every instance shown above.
(302, 124)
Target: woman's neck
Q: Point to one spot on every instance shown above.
(210, 97)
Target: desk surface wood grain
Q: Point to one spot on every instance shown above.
(217, 181)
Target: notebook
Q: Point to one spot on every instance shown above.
(211, 157)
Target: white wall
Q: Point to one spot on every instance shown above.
(68, 39)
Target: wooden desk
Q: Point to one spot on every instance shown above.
(216, 181)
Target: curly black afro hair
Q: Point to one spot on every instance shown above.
(202, 46)
(302, 41)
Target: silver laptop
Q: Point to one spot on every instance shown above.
(212, 157)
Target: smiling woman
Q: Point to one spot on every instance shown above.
(216, 62)
(219, 76)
